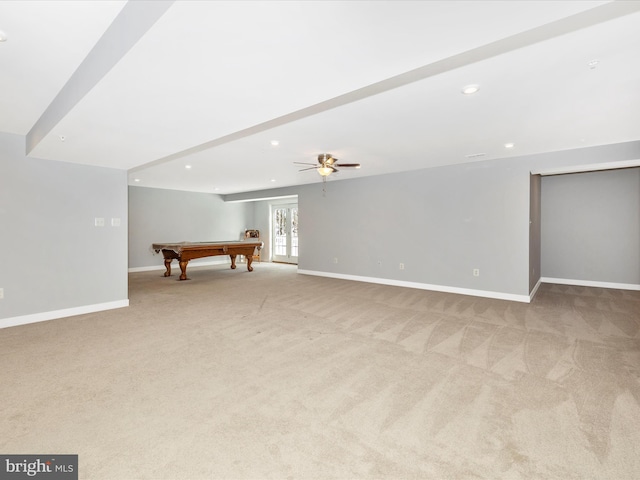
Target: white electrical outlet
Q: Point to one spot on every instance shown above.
(99, 222)
(115, 222)
(1, 292)
(476, 272)
(401, 266)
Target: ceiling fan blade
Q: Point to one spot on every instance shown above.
(303, 163)
(356, 165)
(310, 168)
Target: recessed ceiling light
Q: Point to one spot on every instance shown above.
(62, 138)
(3, 36)
(509, 145)
(474, 155)
(275, 143)
(470, 89)
(136, 179)
(273, 179)
(188, 167)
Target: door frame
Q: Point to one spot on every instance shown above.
(288, 258)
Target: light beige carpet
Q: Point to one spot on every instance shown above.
(275, 375)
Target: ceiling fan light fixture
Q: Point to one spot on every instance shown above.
(325, 171)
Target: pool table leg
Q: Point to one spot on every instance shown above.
(233, 262)
(183, 269)
(167, 265)
(249, 260)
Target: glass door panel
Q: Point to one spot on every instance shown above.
(285, 233)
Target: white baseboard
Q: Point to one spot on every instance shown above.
(67, 312)
(423, 286)
(535, 289)
(192, 263)
(589, 283)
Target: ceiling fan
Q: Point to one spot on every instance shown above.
(327, 165)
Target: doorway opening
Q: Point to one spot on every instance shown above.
(284, 233)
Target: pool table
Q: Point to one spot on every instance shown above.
(185, 251)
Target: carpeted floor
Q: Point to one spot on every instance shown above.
(275, 375)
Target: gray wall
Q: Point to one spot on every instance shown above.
(535, 222)
(54, 258)
(165, 216)
(591, 226)
(441, 223)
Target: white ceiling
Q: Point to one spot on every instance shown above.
(211, 83)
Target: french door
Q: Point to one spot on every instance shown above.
(284, 238)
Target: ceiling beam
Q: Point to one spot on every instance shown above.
(131, 24)
(573, 23)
